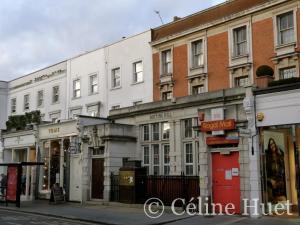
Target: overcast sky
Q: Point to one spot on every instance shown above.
(38, 33)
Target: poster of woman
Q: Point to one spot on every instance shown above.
(274, 146)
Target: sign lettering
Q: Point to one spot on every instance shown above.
(218, 125)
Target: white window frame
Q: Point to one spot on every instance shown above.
(201, 54)
(276, 26)
(240, 78)
(92, 85)
(288, 68)
(192, 164)
(159, 158)
(152, 131)
(162, 131)
(184, 128)
(75, 90)
(162, 63)
(136, 73)
(165, 93)
(26, 102)
(54, 95)
(237, 43)
(40, 101)
(148, 165)
(166, 164)
(13, 107)
(143, 132)
(201, 86)
(114, 79)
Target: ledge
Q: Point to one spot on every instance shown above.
(279, 88)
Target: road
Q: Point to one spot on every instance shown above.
(19, 218)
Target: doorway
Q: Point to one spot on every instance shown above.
(97, 178)
(226, 180)
(75, 178)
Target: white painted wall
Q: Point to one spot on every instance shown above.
(279, 108)
(123, 54)
(33, 86)
(3, 103)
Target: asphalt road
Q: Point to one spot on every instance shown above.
(19, 218)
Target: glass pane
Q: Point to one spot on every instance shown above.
(166, 130)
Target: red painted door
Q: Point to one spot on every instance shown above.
(226, 180)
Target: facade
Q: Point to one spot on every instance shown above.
(3, 103)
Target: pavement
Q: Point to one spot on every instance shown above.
(122, 214)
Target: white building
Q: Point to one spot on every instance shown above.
(114, 76)
(3, 103)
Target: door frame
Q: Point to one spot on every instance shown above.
(91, 176)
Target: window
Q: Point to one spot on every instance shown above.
(54, 116)
(116, 78)
(137, 103)
(188, 128)
(115, 107)
(40, 98)
(26, 102)
(55, 94)
(75, 112)
(197, 53)
(93, 110)
(241, 81)
(138, 72)
(146, 158)
(287, 73)
(13, 107)
(166, 62)
(76, 89)
(146, 133)
(166, 149)
(240, 41)
(167, 95)
(189, 158)
(198, 89)
(155, 150)
(155, 131)
(93, 84)
(165, 131)
(286, 29)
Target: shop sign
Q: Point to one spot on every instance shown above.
(222, 140)
(126, 178)
(218, 125)
(12, 181)
(53, 130)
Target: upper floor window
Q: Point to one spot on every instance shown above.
(287, 73)
(115, 78)
(76, 88)
(55, 94)
(166, 95)
(166, 62)
(240, 41)
(93, 84)
(241, 81)
(155, 131)
(188, 128)
(197, 53)
(13, 107)
(198, 89)
(165, 131)
(26, 102)
(286, 28)
(146, 132)
(40, 98)
(138, 72)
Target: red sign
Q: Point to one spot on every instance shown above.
(218, 125)
(12, 179)
(221, 140)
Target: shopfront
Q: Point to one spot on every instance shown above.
(20, 146)
(278, 120)
(61, 150)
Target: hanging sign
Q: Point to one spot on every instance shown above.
(218, 125)
(222, 140)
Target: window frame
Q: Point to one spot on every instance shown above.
(239, 78)
(155, 133)
(166, 66)
(91, 85)
(27, 102)
(201, 86)
(114, 79)
(75, 90)
(54, 95)
(278, 39)
(38, 99)
(135, 73)
(237, 43)
(186, 163)
(162, 131)
(13, 105)
(166, 164)
(147, 165)
(287, 68)
(200, 54)
(154, 164)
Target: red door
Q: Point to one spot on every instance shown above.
(226, 180)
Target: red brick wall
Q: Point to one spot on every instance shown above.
(180, 71)
(263, 43)
(217, 62)
(156, 77)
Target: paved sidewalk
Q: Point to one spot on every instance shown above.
(117, 214)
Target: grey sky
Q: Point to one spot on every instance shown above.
(37, 33)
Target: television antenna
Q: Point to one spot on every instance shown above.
(158, 13)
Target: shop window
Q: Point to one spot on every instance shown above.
(165, 131)
(287, 73)
(155, 131)
(240, 41)
(156, 159)
(189, 161)
(286, 28)
(146, 132)
(166, 149)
